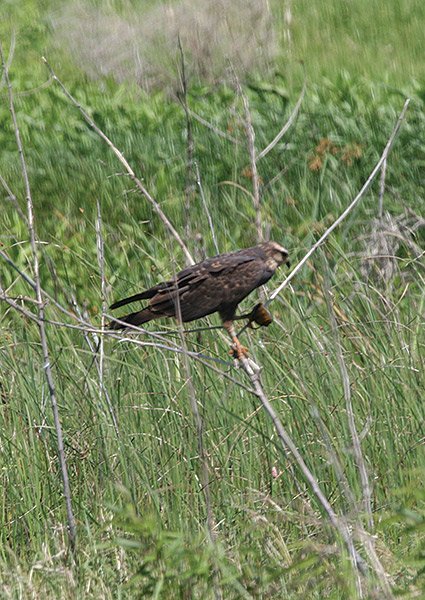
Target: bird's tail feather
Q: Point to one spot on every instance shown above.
(136, 318)
(141, 296)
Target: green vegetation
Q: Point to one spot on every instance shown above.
(381, 41)
(137, 489)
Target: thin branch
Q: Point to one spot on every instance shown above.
(101, 361)
(206, 209)
(355, 439)
(369, 546)
(94, 349)
(189, 190)
(35, 90)
(217, 131)
(13, 199)
(9, 57)
(24, 276)
(101, 261)
(167, 223)
(252, 370)
(237, 186)
(347, 211)
(287, 125)
(250, 136)
(382, 190)
(43, 337)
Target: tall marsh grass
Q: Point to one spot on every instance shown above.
(131, 442)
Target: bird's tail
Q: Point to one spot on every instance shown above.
(136, 318)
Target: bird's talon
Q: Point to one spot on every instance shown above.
(238, 351)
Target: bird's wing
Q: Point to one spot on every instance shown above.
(212, 288)
(169, 295)
(201, 289)
(189, 276)
(197, 290)
(237, 281)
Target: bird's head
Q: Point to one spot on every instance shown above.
(276, 255)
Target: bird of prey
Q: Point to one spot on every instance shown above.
(216, 284)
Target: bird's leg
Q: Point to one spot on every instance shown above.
(248, 317)
(242, 317)
(238, 351)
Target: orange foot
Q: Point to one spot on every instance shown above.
(238, 351)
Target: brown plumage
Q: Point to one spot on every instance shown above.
(216, 284)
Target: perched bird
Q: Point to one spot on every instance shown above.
(216, 284)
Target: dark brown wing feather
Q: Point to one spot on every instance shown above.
(207, 290)
(216, 285)
(225, 281)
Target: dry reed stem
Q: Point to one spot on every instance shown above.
(94, 347)
(189, 188)
(252, 370)
(72, 531)
(382, 190)
(167, 223)
(206, 209)
(349, 208)
(355, 438)
(100, 362)
(213, 128)
(101, 263)
(11, 52)
(287, 125)
(13, 199)
(250, 136)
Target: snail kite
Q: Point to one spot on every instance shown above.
(216, 284)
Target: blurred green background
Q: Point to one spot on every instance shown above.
(137, 496)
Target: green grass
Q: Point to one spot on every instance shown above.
(379, 40)
(137, 495)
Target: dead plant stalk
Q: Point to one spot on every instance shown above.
(167, 223)
(253, 372)
(355, 438)
(349, 208)
(250, 136)
(72, 532)
(203, 456)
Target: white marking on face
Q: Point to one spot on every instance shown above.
(279, 255)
